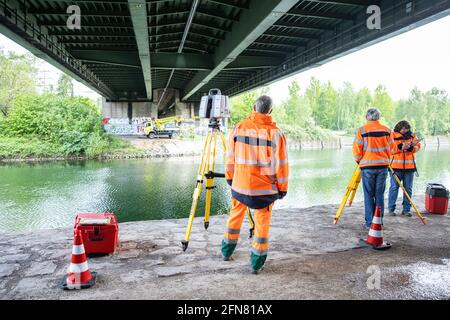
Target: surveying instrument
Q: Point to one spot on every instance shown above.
(214, 107)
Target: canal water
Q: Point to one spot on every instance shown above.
(49, 195)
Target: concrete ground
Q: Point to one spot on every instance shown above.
(310, 258)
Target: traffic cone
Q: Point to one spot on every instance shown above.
(375, 236)
(78, 275)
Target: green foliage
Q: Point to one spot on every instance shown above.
(72, 125)
(323, 102)
(322, 108)
(242, 105)
(65, 86)
(294, 116)
(383, 101)
(428, 112)
(11, 147)
(17, 77)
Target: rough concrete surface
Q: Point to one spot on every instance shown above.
(309, 258)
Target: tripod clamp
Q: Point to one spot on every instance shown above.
(212, 175)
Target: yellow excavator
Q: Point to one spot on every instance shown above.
(166, 127)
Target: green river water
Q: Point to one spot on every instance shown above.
(49, 195)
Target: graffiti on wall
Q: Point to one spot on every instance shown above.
(123, 126)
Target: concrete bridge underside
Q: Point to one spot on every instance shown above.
(163, 55)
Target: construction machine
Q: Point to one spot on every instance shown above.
(165, 127)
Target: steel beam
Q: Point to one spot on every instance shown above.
(253, 22)
(95, 24)
(319, 15)
(290, 35)
(180, 61)
(90, 13)
(138, 11)
(168, 61)
(25, 31)
(360, 3)
(229, 3)
(303, 26)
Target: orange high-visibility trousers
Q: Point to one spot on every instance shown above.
(260, 245)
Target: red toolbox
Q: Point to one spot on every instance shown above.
(436, 198)
(100, 232)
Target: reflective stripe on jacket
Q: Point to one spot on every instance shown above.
(404, 160)
(257, 161)
(372, 145)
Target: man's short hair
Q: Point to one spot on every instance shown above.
(263, 104)
(373, 114)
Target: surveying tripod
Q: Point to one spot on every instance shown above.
(353, 185)
(206, 170)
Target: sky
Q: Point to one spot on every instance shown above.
(420, 57)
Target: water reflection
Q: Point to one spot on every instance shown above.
(48, 195)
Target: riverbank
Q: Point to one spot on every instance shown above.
(139, 147)
(310, 258)
(136, 148)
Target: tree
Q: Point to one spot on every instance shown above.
(383, 101)
(363, 102)
(312, 94)
(322, 98)
(65, 86)
(242, 105)
(294, 116)
(428, 112)
(296, 109)
(413, 110)
(17, 77)
(438, 111)
(328, 106)
(346, 107)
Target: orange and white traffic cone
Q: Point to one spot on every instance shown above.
(78, 275)
(375, 236)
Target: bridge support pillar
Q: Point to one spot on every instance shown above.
(129, 109)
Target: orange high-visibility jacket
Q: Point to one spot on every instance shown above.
(257, 162)
(372, 145)
(404, 160)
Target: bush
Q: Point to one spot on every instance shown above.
(72, 125)
(26, 148)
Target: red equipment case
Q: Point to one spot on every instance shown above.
(100, 232)
(436, 199)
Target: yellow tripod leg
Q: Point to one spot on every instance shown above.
(252, 223)
(341, 207)
(197, 192)
(407, 195)
(347, 194)
(355, 188)
(210, 182)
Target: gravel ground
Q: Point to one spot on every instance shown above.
(310, 258)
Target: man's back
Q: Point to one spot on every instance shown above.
(372, 145)
(257, 161)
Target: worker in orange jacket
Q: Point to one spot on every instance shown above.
(257, 170)
(372, 151)
(403, 163)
